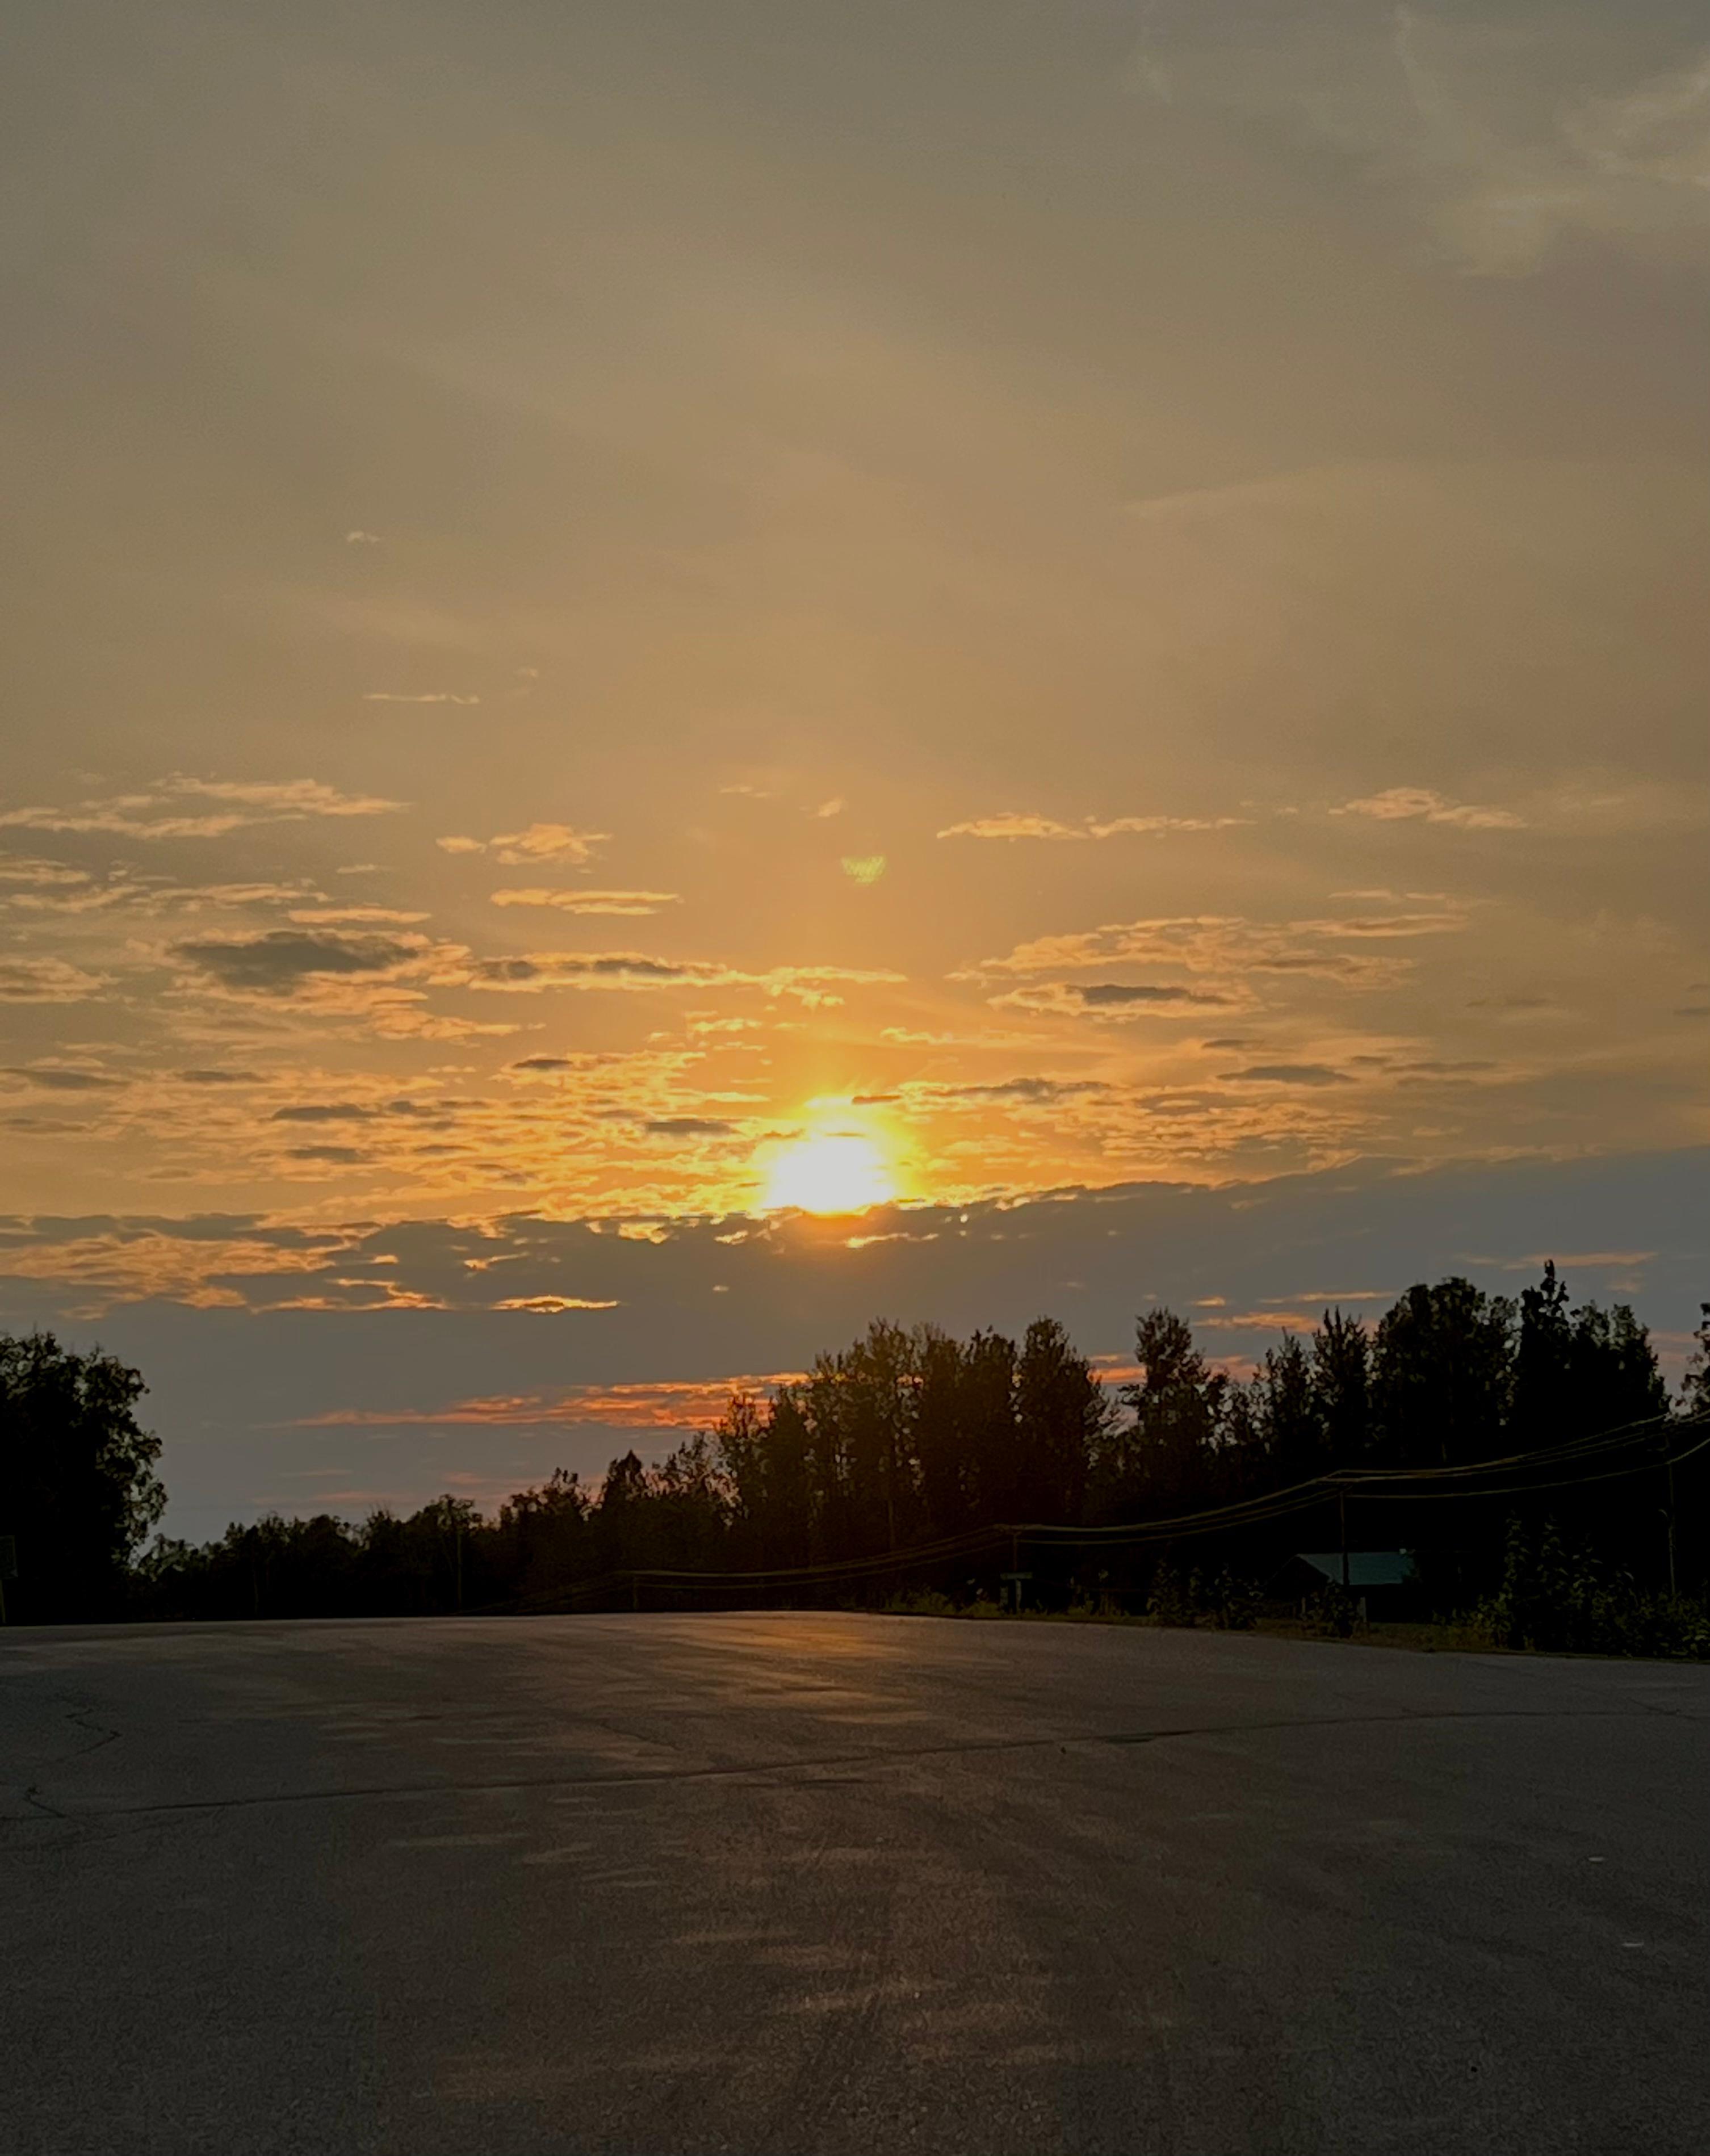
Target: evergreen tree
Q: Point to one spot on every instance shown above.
(1695, 1391)
(1164, 1458)
(1060, 1415)
(1341, 1388)
(1286, 1414)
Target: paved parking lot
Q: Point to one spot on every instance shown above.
(837, 1883)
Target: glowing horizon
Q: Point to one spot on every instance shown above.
(1094, 604)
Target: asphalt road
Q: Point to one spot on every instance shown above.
(819, 1883)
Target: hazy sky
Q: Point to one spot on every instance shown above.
(1094, 598)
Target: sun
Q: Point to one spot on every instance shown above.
(839, 1171)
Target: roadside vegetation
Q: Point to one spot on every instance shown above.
(895, 1456)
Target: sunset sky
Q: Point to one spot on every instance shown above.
(1087, 619)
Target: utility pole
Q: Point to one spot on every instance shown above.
(1342, 1520)
(1673, 1590)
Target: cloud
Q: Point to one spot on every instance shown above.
(158, 813)
(330, 1111)
(1228, 947)
(1115, 993)
(864, 868)
(684, 1404)
(279, 962)
(1630, 164)
(687, 1127)
(1023, 1091)
(613, 903)
(554, 1306)
(1286, 1073)
(1116, 1001)
(1014, 826)
(1398, 804)
(47, 981)
(361, 538)
(348, 916)
(424, 697)
(39, 875)
(123, 889)
(63, 1078)
(1160, 826)
(1503, 141)
(540, 842)
(531, 972)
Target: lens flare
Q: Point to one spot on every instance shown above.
(839, 1171)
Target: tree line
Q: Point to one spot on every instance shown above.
(904, 1437)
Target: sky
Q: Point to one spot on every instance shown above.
(1082, 625)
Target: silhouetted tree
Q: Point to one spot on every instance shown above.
(1442, 1375)
(78, 1489)
(1543, 1375)
(1165, 1457)
(987, 1426)
(1287, 1419)
(1341, 1387)
(904, 1436)
(1695, 1391)
(1059, 1418)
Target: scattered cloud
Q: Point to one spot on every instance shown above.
(279, 960)
(1009, 826)
(864, 868)
(684, 1405)
(554, 1306)
(47, 981)
(1016, 826)
(39, 875)
(1116, 1001)
(1502, 141)
(613, 902)
(346, 917)
(422, 696)
(1229, 946)
(63, 1078)
(1398, 804)
(1286, 1073)
(1026, 1092)
(1161, 826)
(361, 538)
(160, 811)
(540, 842)
(529, 972)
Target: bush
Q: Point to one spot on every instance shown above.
(1558, 1598)
(1231, 1604)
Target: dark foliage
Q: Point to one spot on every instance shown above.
(77, 1490)
(907, 1437)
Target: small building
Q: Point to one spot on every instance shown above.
(1384, 1579)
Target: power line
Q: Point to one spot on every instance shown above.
(1515, 1475)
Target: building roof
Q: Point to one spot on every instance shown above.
(1365, 1568)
